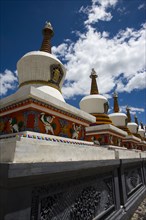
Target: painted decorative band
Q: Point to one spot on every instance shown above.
(40, 82)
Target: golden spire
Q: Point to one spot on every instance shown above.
(116, 105)
(48, 34)
(136, 120)
(128, 114)
(94, 87)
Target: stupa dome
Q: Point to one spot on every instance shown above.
(133, 127)
(141, 132)
(118, 119)
(93, 103)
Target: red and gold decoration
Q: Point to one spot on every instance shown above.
(31, 118)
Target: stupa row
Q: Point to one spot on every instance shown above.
(39, 107)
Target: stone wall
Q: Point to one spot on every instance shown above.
(103, 189)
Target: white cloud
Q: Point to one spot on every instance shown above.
(118, 61)
(61, 50)
(122, 11)
(136, 82)
(133, 110)
(110, 57)
(98, 11)
(8, 81)
(141, 6)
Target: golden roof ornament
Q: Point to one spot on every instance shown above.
(128, 114)
(116, 105)
(94, 87)
(47, 34)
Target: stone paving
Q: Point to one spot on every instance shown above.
(140, 213)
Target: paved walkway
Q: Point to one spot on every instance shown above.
(140, 213)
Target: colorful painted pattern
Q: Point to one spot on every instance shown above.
(48, 138)
(105, 139)
(34, 120)
(40, 104)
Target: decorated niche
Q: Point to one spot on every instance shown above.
(106, 107)
(56, 75)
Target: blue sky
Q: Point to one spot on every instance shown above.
(107, 35)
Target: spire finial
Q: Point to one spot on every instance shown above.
(48, 34)
(94, 87)
(128, 114)
(116, 105)
(141, 124)
(136, 120)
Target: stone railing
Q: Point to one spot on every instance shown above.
(104, 189)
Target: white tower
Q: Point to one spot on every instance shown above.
(41, 69)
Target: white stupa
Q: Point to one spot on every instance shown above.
(41, 69)
(141, 134)
(141, 131)
(132, 126)
(95, 103)
(119, 119)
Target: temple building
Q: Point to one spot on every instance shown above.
(60, 162)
